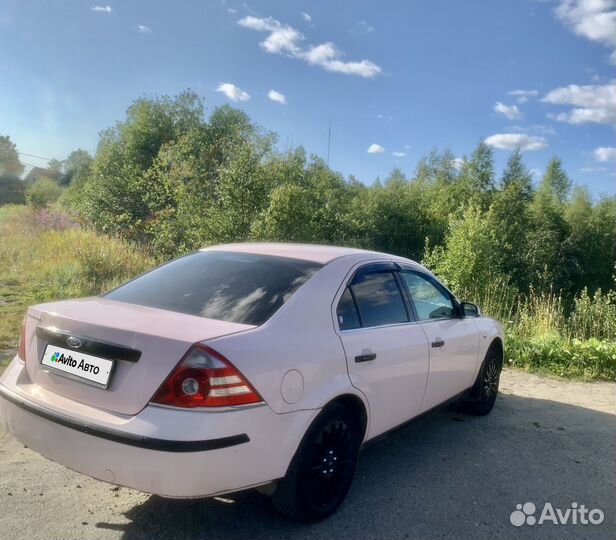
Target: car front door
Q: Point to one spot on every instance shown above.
(386, 352)
(453, 340)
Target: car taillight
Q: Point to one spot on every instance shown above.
(205, 378)
(21, 349)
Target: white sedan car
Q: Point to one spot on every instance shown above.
(246, 365)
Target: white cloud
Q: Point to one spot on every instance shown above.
(592, 103)
(375, 149)
(281, 39)
(398, 154)
(594, 20)
(306, 16)
(407, 146)
(362, 27)
(233, 92)
(509, 111)
(585, 116)
(233, 11)
(535, 172)
(523, 95)
(101, 9)
(457, 163)
(284, 39)
(605, 153)
(277, 97)
(511, 141)
(143, 29)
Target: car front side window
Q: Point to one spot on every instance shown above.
(431, 301)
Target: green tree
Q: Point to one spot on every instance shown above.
(308, 204)
(116, 194)
(556, 181)
(241, 194)
(11, 187)
(590, 249)
(510, 220)
(76, 167)
(169, 176)
(477, 175)
(9, 158)
(287, 217)
(55, 165)
(548, 231)
(392, 218)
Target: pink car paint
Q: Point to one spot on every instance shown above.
(298, 361)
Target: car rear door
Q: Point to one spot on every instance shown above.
(386, 352)
(454, 341)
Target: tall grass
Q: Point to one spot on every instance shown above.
(45, 256)
(594, 316)
(546, 334)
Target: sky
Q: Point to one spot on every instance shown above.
(394, 80)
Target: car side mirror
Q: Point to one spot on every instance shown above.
(470, 310)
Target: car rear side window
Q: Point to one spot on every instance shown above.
(236, 287)
(378, 299)
(348, 319)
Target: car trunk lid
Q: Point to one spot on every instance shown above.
(145, 344)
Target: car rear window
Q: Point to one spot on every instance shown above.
(235, 287)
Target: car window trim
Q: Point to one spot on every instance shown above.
(377, 267)
(359, 319)
(406, 297)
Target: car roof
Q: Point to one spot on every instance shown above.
(309, 252)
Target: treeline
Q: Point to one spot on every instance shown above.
(172, 178)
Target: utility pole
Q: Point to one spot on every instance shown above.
(329, 139)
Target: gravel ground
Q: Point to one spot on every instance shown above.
(445, 476)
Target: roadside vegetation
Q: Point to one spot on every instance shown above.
(45, 256)
(538, 255)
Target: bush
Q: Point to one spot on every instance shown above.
(468, 259)
(53, 219)
(42, 193)
(589, 359)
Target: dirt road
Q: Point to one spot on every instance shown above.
(444, 476)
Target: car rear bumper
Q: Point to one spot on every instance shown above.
(170, 452)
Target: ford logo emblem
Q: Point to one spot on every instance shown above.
(73, 342)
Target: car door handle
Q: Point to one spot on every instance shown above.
(438, 342)
(368, 357)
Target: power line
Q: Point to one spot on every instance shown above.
(30, 165)
(32, 155)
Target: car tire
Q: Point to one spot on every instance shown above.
(486, 386)
(322, 470)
